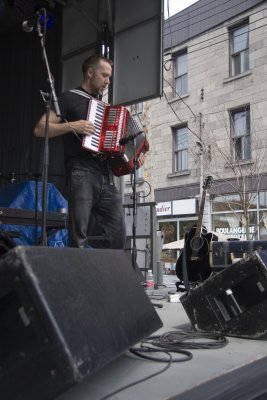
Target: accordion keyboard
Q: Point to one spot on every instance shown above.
(97, 110)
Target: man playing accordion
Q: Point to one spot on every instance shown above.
(94, 204)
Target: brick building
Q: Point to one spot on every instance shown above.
(210, 121)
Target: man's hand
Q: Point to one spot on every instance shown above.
(82, 127)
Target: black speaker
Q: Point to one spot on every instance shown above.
(6, 242)
(232, 302)
(65, 313)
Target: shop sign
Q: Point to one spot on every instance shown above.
(164, 208)
(238, 232)
(186, 206)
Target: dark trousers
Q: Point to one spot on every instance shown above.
(96, 215)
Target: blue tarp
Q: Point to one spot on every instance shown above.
(23, 196)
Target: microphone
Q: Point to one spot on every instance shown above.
(28, 26)
(12, 179)
(129, 138)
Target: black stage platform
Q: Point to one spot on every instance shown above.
(237, 371)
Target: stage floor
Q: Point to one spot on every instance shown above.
(237, 371)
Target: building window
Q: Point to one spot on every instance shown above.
(137, 108)
(240, 131)
(239, 50)
(180, 74)
(181, 149)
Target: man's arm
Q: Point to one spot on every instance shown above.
(57, 127)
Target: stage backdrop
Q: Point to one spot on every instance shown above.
(23, 75)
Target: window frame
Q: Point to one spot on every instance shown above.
(243, 153)
(183, 151)
(242, 55)
(182, 77)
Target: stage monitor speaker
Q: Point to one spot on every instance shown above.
(65, 313)
(232, 302)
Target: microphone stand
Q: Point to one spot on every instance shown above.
(134, 250)
(47, 97)
(36, 180)
(123, 141)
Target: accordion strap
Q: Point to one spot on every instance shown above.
(81, 93)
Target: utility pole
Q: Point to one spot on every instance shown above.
(201, 155)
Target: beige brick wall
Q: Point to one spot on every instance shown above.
(208, 69)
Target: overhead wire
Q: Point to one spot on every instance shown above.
(226, 33)
(222, 41)
(195, 134)
(215, 37)
(182, 122)
(168, 10)
(208, 40)
(180, 97)
(196, 7)
(175, 24)
(198, 14)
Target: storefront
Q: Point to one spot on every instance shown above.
(227, 214)
(175, 218)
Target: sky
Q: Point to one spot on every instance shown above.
(176, 6)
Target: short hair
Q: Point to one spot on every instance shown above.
(93, 61)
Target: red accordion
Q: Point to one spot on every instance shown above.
(112, 124)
